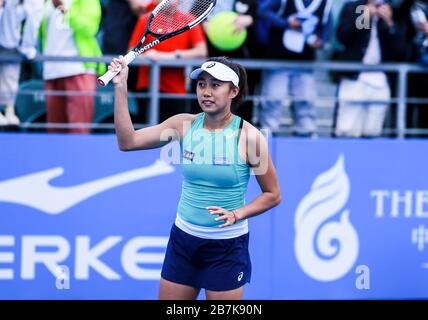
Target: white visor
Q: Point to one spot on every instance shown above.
(218, 70)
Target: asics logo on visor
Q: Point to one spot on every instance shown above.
(218, 70)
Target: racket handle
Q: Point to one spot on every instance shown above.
(106, 77)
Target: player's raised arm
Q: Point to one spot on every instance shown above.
(147, 138)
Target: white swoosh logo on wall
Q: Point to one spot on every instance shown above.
(33, 190)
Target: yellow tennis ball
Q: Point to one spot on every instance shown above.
(160, 30)
(221, 34)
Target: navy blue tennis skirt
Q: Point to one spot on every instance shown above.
(213, 264)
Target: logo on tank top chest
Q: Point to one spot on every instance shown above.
(221, 161)
(188, 155)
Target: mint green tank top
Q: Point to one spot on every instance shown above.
(213, 173)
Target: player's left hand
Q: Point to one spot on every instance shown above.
(223, 214)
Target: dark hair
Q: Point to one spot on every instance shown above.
(242, 74)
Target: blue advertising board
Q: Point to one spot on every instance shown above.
(80, 219)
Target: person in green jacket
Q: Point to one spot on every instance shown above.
(69, 29)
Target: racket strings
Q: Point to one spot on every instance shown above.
(177, 14)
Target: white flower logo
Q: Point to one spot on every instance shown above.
(326, 243)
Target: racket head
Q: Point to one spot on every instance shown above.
(171, 17)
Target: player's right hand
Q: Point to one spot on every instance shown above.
(119, 64)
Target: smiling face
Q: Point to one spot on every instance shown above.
(214, 96)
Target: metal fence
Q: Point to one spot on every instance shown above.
(400, 101)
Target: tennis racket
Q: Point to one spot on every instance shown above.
(168, 19)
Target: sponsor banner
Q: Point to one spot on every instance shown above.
(81, 220)
(353, 221)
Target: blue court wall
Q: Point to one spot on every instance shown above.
(81, 220)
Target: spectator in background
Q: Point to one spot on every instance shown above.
(367, 93)
(250, 49)
(296, 30)
(419, 14)
(14, 37)
(415, 14)
(188, 45)
(69, 30)
(119, 22)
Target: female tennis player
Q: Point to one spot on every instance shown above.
(208, 244)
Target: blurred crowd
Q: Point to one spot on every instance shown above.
(365, 31)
